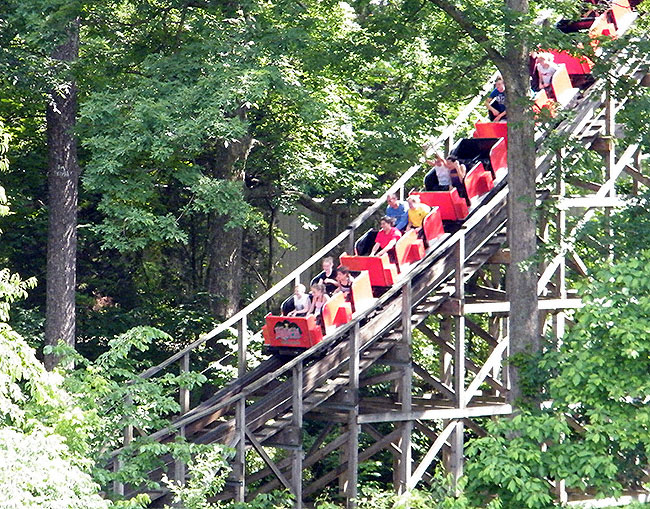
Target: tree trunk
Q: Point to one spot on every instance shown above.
(522, 275)
(225, 245)
(63, 178)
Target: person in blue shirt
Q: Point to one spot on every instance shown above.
(398, 210)
(496, 102)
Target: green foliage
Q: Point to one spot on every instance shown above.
(592, 431)
(37, 470)
(208, 473)
(43, 435)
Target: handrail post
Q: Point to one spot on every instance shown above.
(184, 402)
(297, 410)
(127, 438)
(239, 469)
(351, 241)
(242, 333)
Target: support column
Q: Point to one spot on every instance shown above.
(560, 220)
(239, 468)
(457, 442)
(351, 492)
(127, 438)
(405, 392)
(296, 463)
(610, 162)
(446, 376)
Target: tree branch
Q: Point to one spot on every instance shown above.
(479, 36)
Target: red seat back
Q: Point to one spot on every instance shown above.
(409, 248)
(478, 181)
(602, 27)
(295, 332)
(432, 225)
(574, 65)
(380, 270)
(361, 292)
(562, 87)
(452, 207)
(336, 311)
(542, 101)
(499, 156)
(491, 130)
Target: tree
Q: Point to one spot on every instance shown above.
(505, 38)
(42, 434)
(63, 180)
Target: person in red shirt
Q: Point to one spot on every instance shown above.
(386, 238)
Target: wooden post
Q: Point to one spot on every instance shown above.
(184, 401)
(560, 191)
(353, 427)
(296, 463)
(242, 345)
(610, 161)
(405, 392)
(239, 468)
(446, 375)
(350, 249)
(449, 143)
(457, 445)
(127, 438)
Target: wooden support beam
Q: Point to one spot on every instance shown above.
(433, 381)
(590, 186)
(637, 175)
(377, 436)
(439, 413)
(431, 454)
(487, 293)
(577, 264)
(495, 359)
(504, 307)
(309, 461)
(363, 456)
(446, 347)
(590, 202)
(457, 437)
(405, 393)
(381, 378)
(184, 402)
(501, 257)
(239, 467)
(351, 492)
(476, 329)
(479, 430)
(296, 421)
(269, 462)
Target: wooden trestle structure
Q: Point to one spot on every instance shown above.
(361, 387)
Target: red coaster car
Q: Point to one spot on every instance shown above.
(291, 331)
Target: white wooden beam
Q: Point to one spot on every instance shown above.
(504, 307)
(438, 413)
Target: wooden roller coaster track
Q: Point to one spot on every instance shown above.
(267, 406)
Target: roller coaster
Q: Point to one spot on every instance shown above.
(360, 376)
